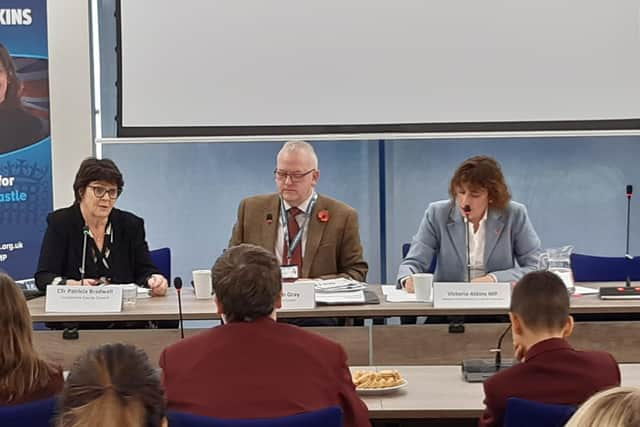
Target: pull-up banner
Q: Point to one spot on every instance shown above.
(25, 142)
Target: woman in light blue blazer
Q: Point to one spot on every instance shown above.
(503, 245)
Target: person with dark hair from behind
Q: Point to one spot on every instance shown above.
(24, 377)
(112, 386)
(253, 366)
(18, 128)
(551, 371)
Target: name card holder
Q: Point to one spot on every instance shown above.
(471, 295)
(297, 295)
(83, 299)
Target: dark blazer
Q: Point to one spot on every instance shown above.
(553, 372)
(333, 246)
(53, 387)
(61, 252)
(259, 369)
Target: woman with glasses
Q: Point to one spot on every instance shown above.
(108, 243)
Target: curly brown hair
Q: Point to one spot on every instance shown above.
(482, 172)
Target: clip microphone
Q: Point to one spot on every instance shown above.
(85, 232)
(478, 370)
(467, 211)
(177, 283)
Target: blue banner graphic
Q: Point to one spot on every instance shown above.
(25, 142)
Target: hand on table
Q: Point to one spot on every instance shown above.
(158, 284)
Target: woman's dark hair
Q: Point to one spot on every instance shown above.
(113, 385)
(482, 172)
(92, 169)
(12, 97)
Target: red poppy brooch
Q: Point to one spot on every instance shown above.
(323, 215)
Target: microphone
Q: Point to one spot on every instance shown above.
(626, 292)
(85, 232)
(626, 254)
(177, 283)
(467, 211)
(478, 370)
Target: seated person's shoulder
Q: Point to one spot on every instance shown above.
(127, 219)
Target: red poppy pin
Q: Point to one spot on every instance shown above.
(323, 215)
(269, 219)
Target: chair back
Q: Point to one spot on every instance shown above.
(33, 414)
(161, 258)
(405, 251)
(587, 268)
(328, 417)
(527, 413)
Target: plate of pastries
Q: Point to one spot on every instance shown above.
(378, 382)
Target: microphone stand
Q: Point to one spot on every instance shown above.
(478, 370)
(70, 331)
(628, 256)
(85, 232)
(627, 291)
(177, 283)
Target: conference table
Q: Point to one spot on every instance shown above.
(440, 393)
(373, 344)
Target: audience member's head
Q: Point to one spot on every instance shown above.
(113, 386)
(296, 171)
(539, 309)
(616, 407)
(247, 283)
(21, 370)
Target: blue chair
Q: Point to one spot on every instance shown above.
(527, 413)
(32, 414)
(587, 268)
(161, 258)
(329, 417)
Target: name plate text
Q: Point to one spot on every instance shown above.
(83, 299)
(471, 295)
(299, 295)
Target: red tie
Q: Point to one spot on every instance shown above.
(292, 224)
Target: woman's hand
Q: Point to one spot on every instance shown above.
(85, 282)
(158, 284)
(408, 285)
(488, 278)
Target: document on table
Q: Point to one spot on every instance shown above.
(397, 295)
(581, 290)
(342, 297)
(339, 284)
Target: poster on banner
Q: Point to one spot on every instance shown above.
(25, 141)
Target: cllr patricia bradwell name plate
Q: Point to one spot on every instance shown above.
(83, 299)
(471, 295)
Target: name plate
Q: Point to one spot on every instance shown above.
(300, 294)
(471, 295)
(83, 299)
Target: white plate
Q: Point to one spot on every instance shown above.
(383, 390)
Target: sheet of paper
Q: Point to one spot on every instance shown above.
(354, 297)
(585, 291)
(397, 295)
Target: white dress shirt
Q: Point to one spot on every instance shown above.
(281, 227)
(477, 241)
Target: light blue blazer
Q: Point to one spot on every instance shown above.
(511, 250)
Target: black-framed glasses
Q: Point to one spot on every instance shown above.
(294, 176)
(99, 191)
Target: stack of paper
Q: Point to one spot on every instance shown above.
(342, 297)
(338, 285)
